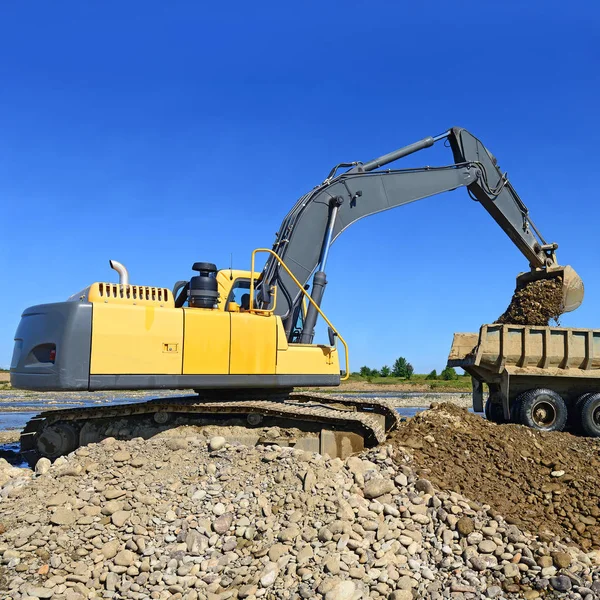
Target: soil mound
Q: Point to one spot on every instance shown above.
(542, 482)
(537, 303)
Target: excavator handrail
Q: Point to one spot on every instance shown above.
(306, 294)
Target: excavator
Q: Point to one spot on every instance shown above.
(243, 341)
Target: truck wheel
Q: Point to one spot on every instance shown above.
(543, 410)
(590, 415)
(494, 412)
(574, 420)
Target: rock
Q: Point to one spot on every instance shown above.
(561, 583)
(125, 558)
(343, 590)
(247, 590)
(332, 564)
(289, 533)
(40, 592)
(176, 443)
(557, 473)
(112, 507)
(465, 526)
(309, 481)
(401, 595)
(487, 547)
(42, 466)
(58, 500)
(63, 516)
(196, 543)
(276, 551)
(423, 485)
(493, 591)
(269, 575)
(216, 443)
(112, 581)
(219, 509)
(562, 560)
(511, 570)
(345, 511)
(223, 523)
(120, 517)
(110, 549)
(376, 487)
(401, 480)
(121, 456)
(545, 561)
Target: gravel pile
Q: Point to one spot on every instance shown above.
(547, 483)
(187, 518)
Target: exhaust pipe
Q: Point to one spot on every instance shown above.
(121, 270)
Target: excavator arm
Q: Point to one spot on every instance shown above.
(320, 216)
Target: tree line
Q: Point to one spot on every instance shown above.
(403, 369)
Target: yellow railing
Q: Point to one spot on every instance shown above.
(306, 295)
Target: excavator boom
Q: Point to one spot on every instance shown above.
(320, 216)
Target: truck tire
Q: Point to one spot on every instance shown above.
(494, 412)
(574, 420)
(590, 415)
(542, 409)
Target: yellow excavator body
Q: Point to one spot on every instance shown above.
(136, 330)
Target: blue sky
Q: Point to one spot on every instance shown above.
(159, 134)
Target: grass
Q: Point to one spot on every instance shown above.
(462, 384)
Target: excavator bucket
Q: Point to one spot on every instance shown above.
(572, 285)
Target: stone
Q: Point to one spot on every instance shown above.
(465, 526)
(545, 561)
(376, 487)
(511, 570)
(110, 549)
(42, 466)
(125, 558)
(401, 595)
(196, 543)
(269, 575)
(423, 485)
(40, 592)
(121, 456)
(487, 547)
(112, 581)
(176, 443)
(120, 517)
(219, 509)
(247, 590)
(343, 590)
(562, 560)
(276, 551)
(63, 516)
(216, 443)
(223, 523)
(289, 533)
(561, 583)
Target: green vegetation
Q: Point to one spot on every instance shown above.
(418, 382)
(403, 373)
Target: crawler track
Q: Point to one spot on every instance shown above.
(57, 432)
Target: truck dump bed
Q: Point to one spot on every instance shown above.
(520, 349)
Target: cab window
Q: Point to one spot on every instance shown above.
(239, 296)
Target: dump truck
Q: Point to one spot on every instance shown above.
(244, 340)
(547, 378)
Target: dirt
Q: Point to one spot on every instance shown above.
(537, 303)
(547, 483)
